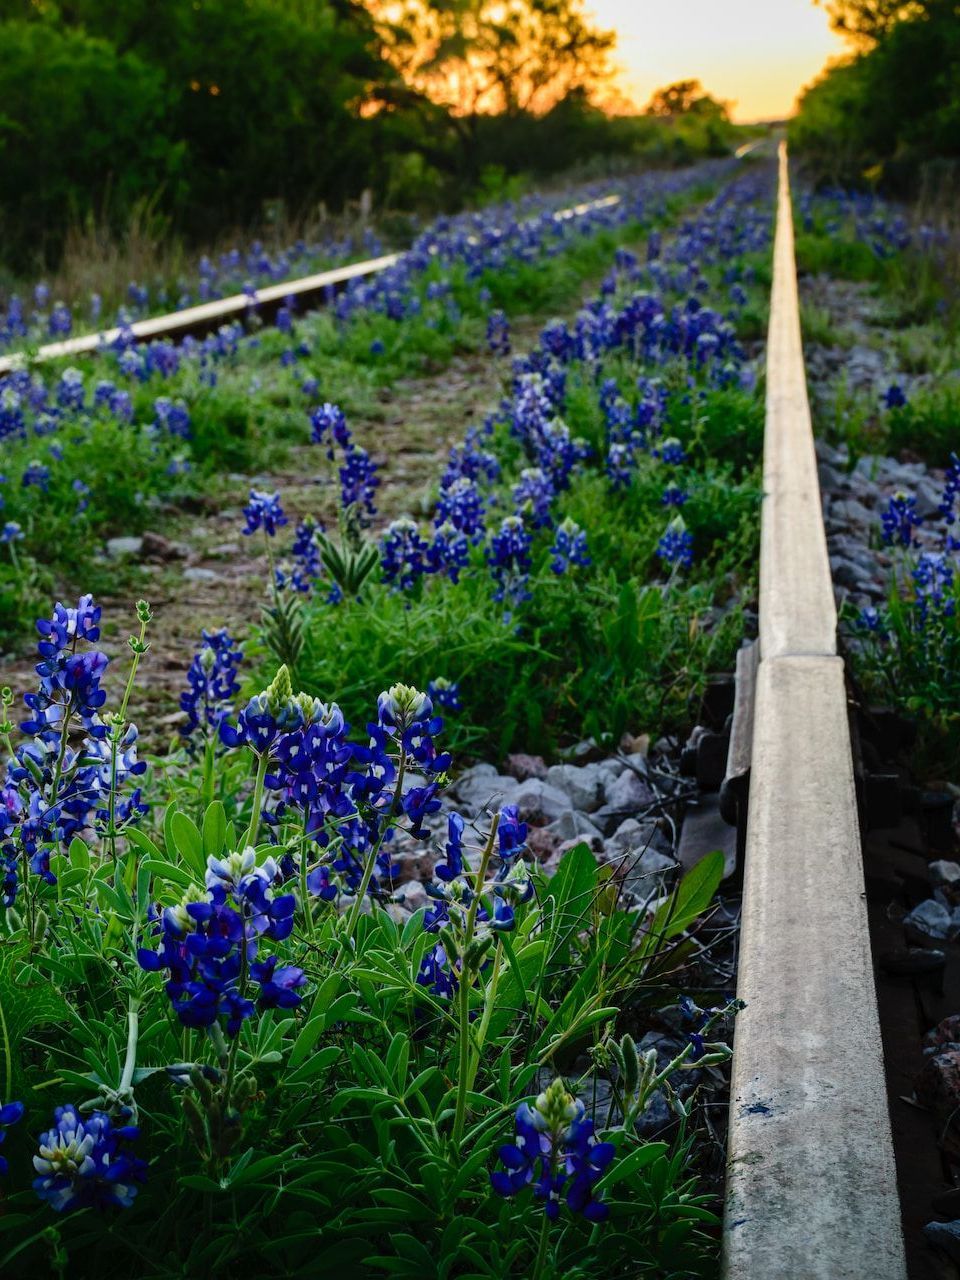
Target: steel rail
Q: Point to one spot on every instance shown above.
(210, 315)
(811, 1179)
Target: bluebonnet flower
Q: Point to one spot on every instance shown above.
(509, 558)
(36, 473)
(671, 451)
(894, 397)
(900, 519)
(870, 620)
(377, 347)
(471, 461)
(556, 1151)
(569, 547)
(70, 390)
(455, 890)
(498, 333)
(461, 505)
(933, 578)
(172, 416)
(359, 480)
(265, 717)
(11, 532)
(308, 566)
(209, 944)
(61, 321)
(674, 496)
(445, 693)
(532, 496)
(212, 682)
(263, 511)
(329, 426)
(85, 1162)
(10, 1113)
(676, 545)
(620, 465)
(403, 554)
(951, 489)
(448, 552)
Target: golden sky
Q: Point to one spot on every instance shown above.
(757, 54)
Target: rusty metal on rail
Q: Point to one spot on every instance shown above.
(208, 316)
(811, 1180)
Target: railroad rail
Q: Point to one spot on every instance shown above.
(811, 1180)
(207, 316)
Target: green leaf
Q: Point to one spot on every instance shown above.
(693, 896)
(187, 840)
(626, 1166)
(25, 1004)
(214, 829)
(162, 870)
(79, 854)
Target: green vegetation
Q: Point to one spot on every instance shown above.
(890, 114)
(136, 124)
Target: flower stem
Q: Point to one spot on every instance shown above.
(133, 1030)
(541, 1257)
(464, 1076)
(254, 827)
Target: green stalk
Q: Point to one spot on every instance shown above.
(464, 1077)
(541, 1249)
(133, 1030)
(254, 827)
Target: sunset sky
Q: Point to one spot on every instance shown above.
(755, 53)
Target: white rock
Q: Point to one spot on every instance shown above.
(572, 824)
(119, 547)
(944, 873)
(481, 787)
(932, 920)
(582, 783)
(538, 801)
(628, 793)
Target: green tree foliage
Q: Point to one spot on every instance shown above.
(80, 123)
(475, 58)
(199, 115)
(686, 97)
(895, 106)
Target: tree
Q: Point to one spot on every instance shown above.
(484, 57)
(865, 22)
(686, 97)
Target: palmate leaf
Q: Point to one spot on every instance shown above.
(27, 1003)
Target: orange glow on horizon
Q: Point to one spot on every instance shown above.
(755, 54)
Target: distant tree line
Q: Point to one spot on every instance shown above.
(889, 114)
(199, 113)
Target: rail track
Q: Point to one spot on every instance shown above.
(319, 287)
(811, 1179)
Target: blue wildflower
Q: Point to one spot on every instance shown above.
(894, 397)
(263, 511)
(212, 682)
(10, 1113)
(557, 1152)
(498, 333)
(569, 547)
(900, 519)
(445, 693)
(85, 1162)
(359, 480)
(403, 554)
(676, 545)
